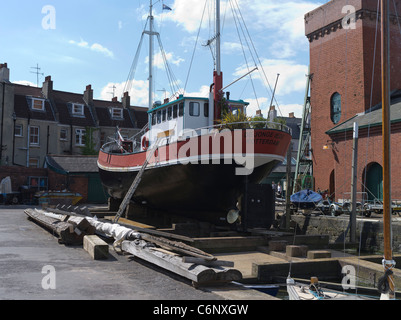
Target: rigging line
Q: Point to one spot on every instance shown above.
(131, 74)
(371, 89)
(259, 61)
(196, 43)
(235, 17)
(170, 75)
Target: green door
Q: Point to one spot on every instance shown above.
(96, 192)
(374, 181)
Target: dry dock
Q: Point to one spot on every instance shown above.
(260, 256)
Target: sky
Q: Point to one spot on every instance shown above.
(93, 42)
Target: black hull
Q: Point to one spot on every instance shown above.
(195, 190)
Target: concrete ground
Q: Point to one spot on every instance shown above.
(35, 266)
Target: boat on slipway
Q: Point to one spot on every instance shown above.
(195, 163)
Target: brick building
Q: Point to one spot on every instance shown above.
(343, 62)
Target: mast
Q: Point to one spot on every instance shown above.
(217, 74)
(388, 262)
(151, 33)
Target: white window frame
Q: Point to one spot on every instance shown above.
(42, 108)
(33, 162)
(21, 130)
(34, 135)
(117, 113)
(66, 134)
(79, 137)
(77, 109)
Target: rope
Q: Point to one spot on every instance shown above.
(383, 285)
(196, 42)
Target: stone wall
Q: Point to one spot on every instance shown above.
(369, 231)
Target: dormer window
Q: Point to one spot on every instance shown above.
(77, 109)
(116, 113)
(38, 104)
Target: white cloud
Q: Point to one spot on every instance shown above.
(281, 22)
(138, 92)
(25, 83)
(158, 61)
(292, 75)
(94, 47)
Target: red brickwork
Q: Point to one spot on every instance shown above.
(341, 61)
(19, 177)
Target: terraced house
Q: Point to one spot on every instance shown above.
(36, 122)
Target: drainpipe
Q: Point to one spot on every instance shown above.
(2, 120)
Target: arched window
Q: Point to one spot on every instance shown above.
(335, 107)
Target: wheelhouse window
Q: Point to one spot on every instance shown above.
(175, 111)
(206, 110)
(194, 109)
(159, 117)
(38, 104)
(335, 107)
(164, 115)
(33, 136)
(181, 110)
(169, 113)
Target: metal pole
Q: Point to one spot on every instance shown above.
(151, 56)
(385, 58)
(353, 183)
(289, 189)
(218, 55)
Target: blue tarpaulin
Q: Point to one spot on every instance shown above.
(305, 198)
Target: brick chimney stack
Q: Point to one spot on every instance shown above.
(126, 100)
(291, 115)
(272, 113)
(88, 95)
(47, 87)
(4, 73)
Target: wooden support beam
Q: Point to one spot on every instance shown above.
(199, 274)
(65, 231)
(96, 247)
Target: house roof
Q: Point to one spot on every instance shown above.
(61, 103)
(72, 164)
(23, 109)
(372, 117)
